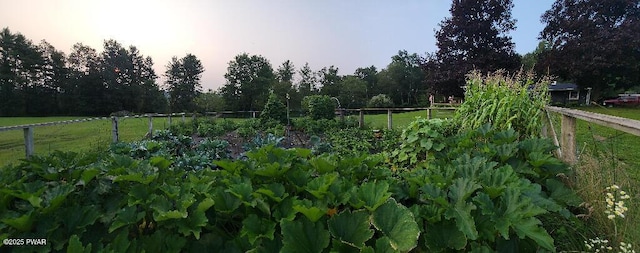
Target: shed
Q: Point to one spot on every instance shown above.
(569, 94)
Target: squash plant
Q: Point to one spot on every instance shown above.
(481, 190)
(275, 200)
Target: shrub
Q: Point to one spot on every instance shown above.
(274, 110)
(504, 101)
(380, 101)
(319, 107)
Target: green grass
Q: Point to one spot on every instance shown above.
(608, 156)
(76, 137)
(402, 119)
(614, 144)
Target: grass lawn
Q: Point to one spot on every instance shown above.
(77, 137)
(591, 137)
(402, 119)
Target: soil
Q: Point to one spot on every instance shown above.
(294, 139)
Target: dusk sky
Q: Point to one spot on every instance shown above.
(346, 34)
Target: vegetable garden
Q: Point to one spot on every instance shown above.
(320, 185)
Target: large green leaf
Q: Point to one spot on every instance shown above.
(561, 193)
(224, 201)
(274, 191)
(302, 236)
(443, 235)
(351, 228)
(54, 197)
(323, 165)
(313, 213)
(531, 227)
(319, 186)
(461, 212)
(274, 169)
(384, 245)
(87, 175)
(33, 198)
(160, 162)
(242, 191)
(397, 223)
(126, 216)
(459, 192)
(461, 189)
(136, 177)
(371, 195)
(77, 218)
(75, 245)
(496, 180)
(21, 223)
(196, 219)
(254, 228)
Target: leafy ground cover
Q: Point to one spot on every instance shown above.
(97, 134)
(221, 186)
(176, 192)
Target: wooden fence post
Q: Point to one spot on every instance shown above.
(568, 126)
(114, 129)
(428, 113)
(183, 120)
(28, 141)
(150, 125)
(169, 120)
(361, 121)
(389, 119)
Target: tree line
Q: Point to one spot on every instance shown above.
(592, 43)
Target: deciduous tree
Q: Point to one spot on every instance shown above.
(330, 81)
(595, 43)
(369, 75)
(249, 79)
(183, 82)
(307, 85)
(474, 37)
(403, 79)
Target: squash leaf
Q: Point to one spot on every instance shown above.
(397, 223)
(351, 228)
(303, 236)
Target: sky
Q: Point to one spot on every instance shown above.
(345, 34)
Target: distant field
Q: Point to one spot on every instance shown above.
(77, 137)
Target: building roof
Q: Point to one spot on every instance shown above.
(563, 86)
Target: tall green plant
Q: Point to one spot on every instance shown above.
(274, 110)
(319, 106)
(505, 101)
